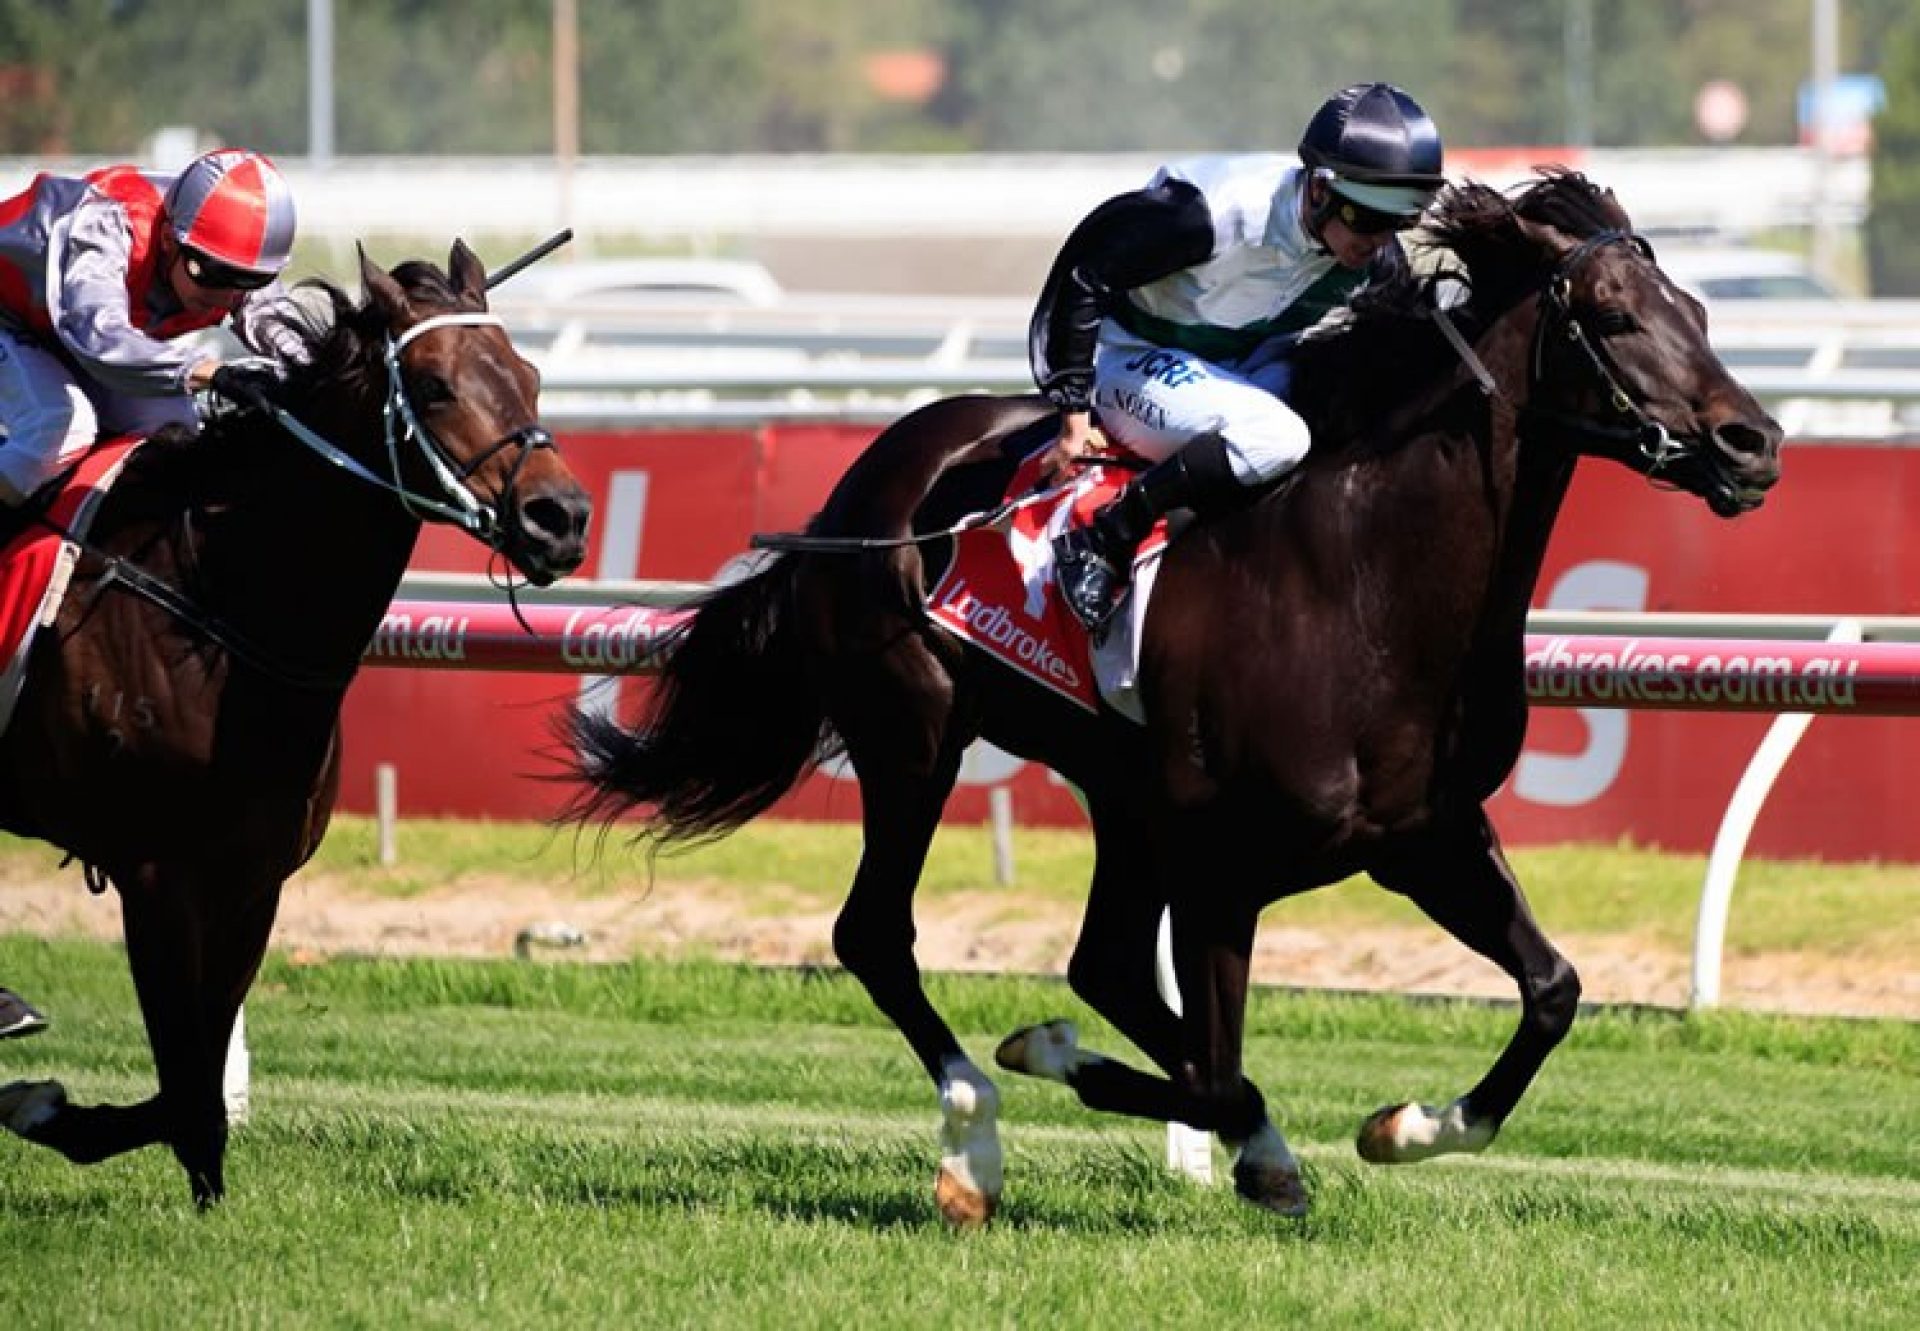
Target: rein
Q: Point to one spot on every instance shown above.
(402, 424)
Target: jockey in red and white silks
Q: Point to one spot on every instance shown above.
(1172, 310)
(101, 278)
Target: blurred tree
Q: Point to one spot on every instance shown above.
(1893, 217)
(97, 77)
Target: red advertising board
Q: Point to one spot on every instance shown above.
(1831, 540)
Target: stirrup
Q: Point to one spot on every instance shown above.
(1090, 585)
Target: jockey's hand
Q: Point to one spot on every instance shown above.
(246, 383)
(1074, 440)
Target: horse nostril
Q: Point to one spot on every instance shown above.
(558, 519)
(1743, 439)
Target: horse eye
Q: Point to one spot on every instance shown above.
(430, 390)
(1614, 323)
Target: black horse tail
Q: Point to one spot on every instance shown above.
(731, 725)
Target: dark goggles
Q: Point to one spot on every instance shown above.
(217, 276)
(1367, 222)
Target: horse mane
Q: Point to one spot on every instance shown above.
(1474, 231)
(233, 455)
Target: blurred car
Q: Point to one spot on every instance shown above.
(588, 285)
(1717, 275)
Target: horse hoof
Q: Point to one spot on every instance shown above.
(1273, 1187)
(1050, 1050)
(1379, 1139)
(28, 1106)
(962, 1206)
(1406, 1134)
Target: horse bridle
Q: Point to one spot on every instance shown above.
(455, 503)
(1638, 439)
(403, 423)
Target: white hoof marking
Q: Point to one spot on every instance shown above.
(1410, 1133)
(1050, 1050)
(971, 1163)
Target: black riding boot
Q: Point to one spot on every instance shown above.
(1093, 564)
(17, 1016)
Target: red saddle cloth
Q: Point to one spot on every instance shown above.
(36, 563)
(999, 593)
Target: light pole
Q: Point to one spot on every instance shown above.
(566, 104)
(1826, 69)
(320, 84)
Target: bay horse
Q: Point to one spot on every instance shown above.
(1331, 675)
(178, 730)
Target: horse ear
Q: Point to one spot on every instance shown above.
(1551, 242)
(380, 287)
(468, 273)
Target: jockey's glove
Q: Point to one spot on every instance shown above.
(251, 382)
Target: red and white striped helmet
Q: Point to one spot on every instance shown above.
(234, 207)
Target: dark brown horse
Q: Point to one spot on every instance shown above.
(1332, 676)
(178, 731)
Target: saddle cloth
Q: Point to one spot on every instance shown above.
(998, 593)
(37, 561)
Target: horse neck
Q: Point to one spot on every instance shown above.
(1470, 573)
(309, 572)
(1539, 477)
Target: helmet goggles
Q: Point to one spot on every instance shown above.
(216, 276)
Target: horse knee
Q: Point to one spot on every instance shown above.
(1552, 1005)
(867, 949)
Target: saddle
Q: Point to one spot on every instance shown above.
(998, 590)
(39, 544)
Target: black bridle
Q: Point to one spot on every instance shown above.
(1632, 436)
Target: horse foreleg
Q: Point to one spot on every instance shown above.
(874, 937)
(1464, 884)
(1211, 1094)
(167, 953)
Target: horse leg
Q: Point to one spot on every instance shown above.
(189, 983)
(1113, 970)
(1461, 879)
(163, 953)
(873, 938)
(1206, 1089)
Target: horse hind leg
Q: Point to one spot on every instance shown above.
(1464, 884)
(874, 937)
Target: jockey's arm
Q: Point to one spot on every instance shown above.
(1126, 242)
(87, 259)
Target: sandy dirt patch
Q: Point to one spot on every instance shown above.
(981, 931)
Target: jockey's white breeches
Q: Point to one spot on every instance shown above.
(1154, 399)
(49, 418)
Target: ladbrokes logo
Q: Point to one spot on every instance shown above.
(994, 624)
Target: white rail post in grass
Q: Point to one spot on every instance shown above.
(1736, 825)
(236, 1083)
(1000, 815)
(1189, 1151)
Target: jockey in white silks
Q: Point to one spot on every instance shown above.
(1171, 311)
(101, 279)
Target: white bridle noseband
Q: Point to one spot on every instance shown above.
(454, 503)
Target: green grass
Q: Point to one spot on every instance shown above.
(453, 1144)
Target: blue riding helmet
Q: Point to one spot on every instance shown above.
(1375, 147)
